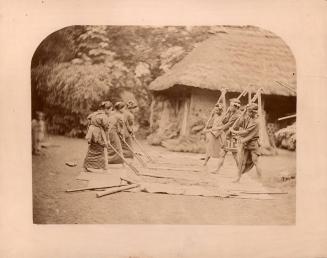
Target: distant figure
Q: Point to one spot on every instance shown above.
(214, 138)
(230, 117)
(115, 134)
(128, 118)
(249, 152)
(38, 133)
(271, 130)
(96, 137)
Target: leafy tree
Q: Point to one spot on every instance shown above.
(77, 67)
(59, 46)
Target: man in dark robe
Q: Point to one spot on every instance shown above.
(249, 151)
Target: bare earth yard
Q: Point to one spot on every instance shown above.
(52, 205)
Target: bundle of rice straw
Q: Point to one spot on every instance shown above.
(286, 137)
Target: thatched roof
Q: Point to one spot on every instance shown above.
(236, 58)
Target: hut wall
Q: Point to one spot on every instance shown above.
(202, 102)
(167, 115)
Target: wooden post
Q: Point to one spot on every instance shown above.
(185, 118)
(263, 135)
(224, 102)
(152, 113)
(249, 97)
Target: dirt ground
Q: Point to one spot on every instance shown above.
(52, 205)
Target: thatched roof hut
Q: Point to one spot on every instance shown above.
(235, 58)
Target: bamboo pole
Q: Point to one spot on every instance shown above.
(255, 97)
(119, 154)
(135, 154)
(223, 93)
(226, 110)
(224, 101)
(141, 148)
(117, 190)
(125, 161)
(243, 93)
(286, 117)
(249, 96)
(261, 123)
(287, 87)
(89, 188)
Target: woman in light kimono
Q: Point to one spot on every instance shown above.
(214, 137)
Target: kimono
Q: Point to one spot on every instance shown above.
(128, 119)
(215, 137)
(98, 122)
(226, 123)
(115, 130)
(250, 148)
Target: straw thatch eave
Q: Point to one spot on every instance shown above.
(238, 59)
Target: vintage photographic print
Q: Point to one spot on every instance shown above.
(164, 125)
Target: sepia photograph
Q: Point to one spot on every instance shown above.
(190, 125)
(155, 129)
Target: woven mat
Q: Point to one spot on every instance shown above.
(182, 182)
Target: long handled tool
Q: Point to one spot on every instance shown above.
(135, 154)
(125, 161)
(223, 92)
(120, 155)
(141, 148)
(243, 93)
(255, 97)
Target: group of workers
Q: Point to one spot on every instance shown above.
(110, 133)
(234, 131)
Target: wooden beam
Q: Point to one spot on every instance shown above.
(153, 103)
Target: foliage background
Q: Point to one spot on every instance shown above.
(77, 67)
